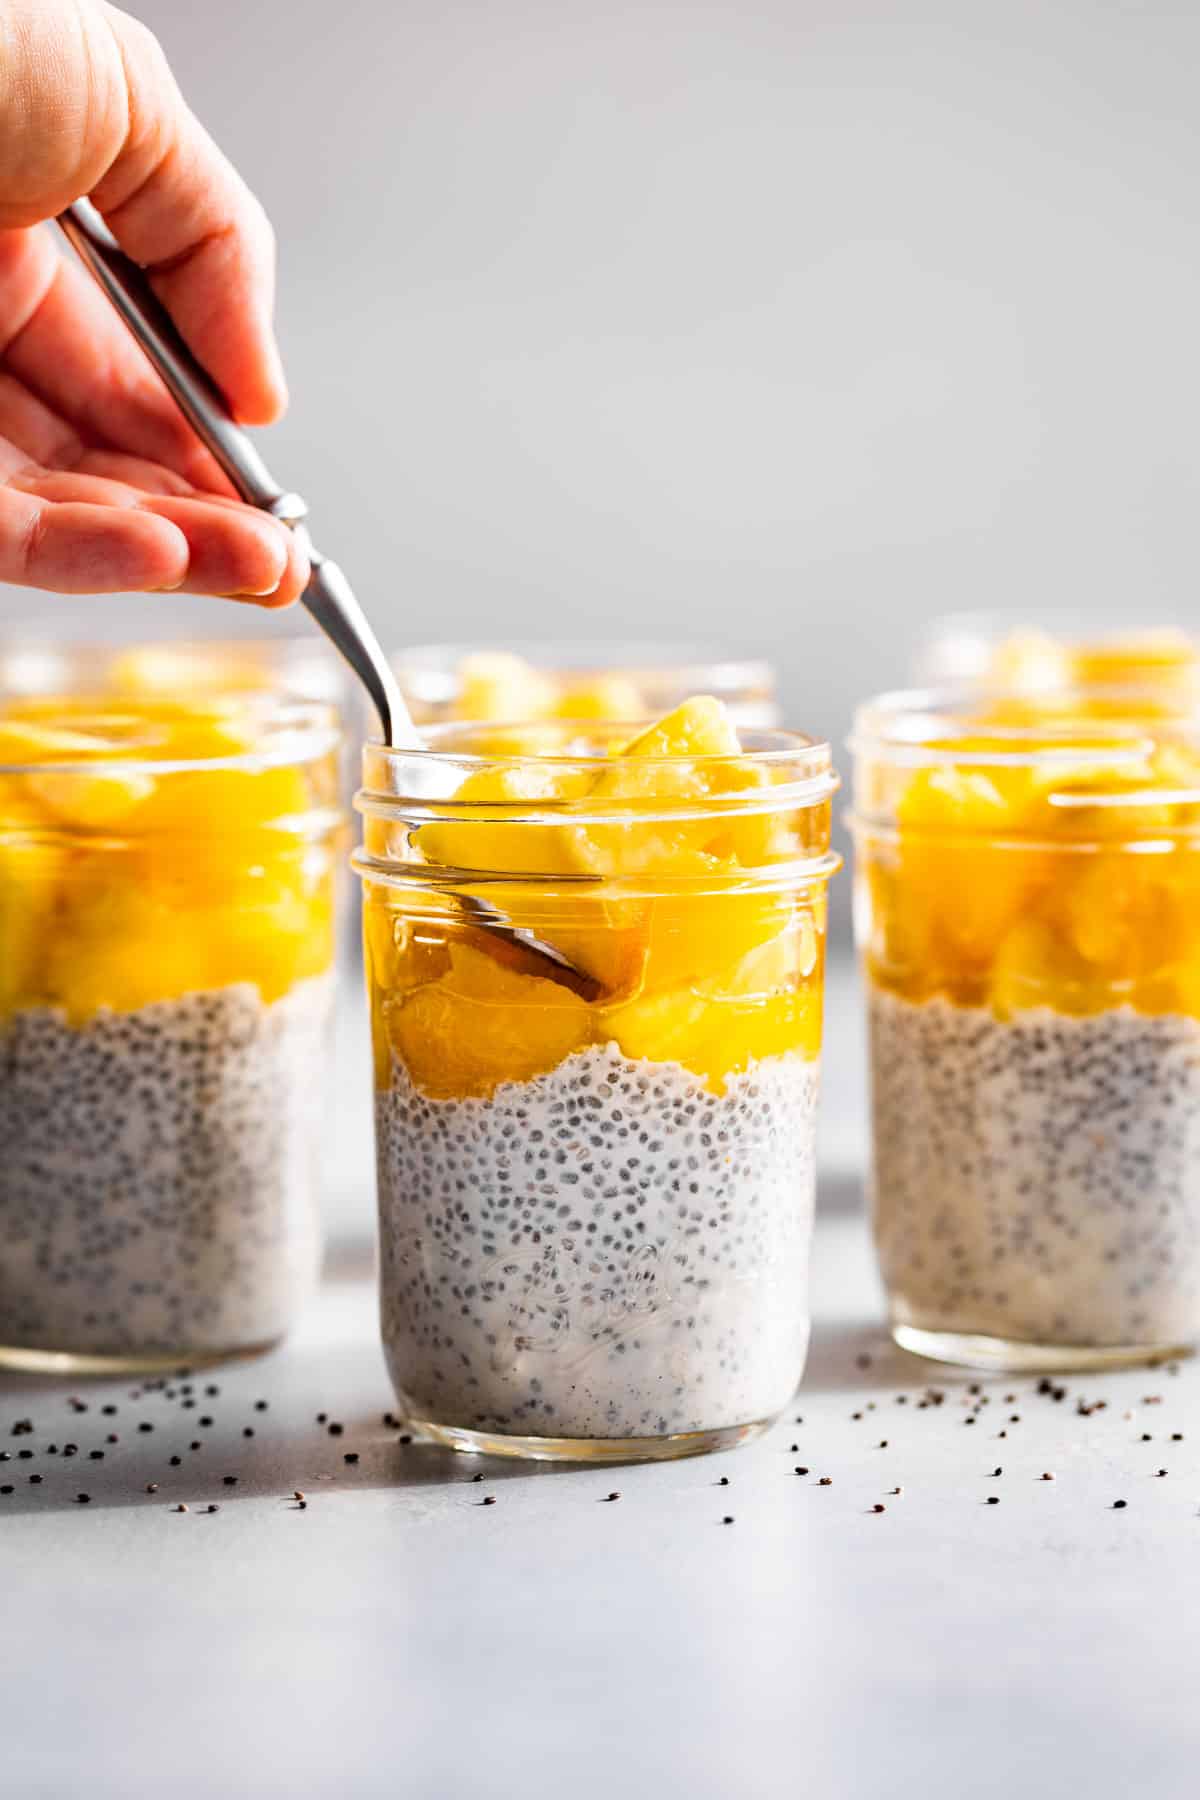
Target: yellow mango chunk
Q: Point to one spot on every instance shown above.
(1071, 880)
(694, 968)
(627, 943)
(667, 762)
(497, 838)
(77, 798)
(122, 941)
(599, 697)
(768, 1004)
(1037, 966)
(158, 670)
(29, 874)
(273, 938)
(958, 862)
(499, 686)
(202, 734)
(119, 888)
(228, 802)
(1031, 660)
(1036, 661)
(597, 936)
(1127, 657)
(114, 947)
(698, 727)
(91, 802)
(400, 953)
(687, 938)
(481, 1024)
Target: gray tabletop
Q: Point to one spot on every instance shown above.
(398, 1637)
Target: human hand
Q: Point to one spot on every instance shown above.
(103, 485)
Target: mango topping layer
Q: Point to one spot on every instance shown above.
(1069, 880)
(120, 885)
(496, 685)
(1038, 661)
(698, 959)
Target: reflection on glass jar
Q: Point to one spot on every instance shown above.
(293, 668)
(595, 1138)
(166, 938)
(614, 681)
(1058, 651)
(1028, 907)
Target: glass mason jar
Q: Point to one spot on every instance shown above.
(522, 682)
(287, 667)
(595, 1138)
(1028, 909)
(166, 938)
(295, 668)
(1058, 650)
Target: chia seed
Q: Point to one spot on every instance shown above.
(1034, 1177)
(156, 1173)
(635, 1276)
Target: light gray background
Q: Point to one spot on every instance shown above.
(796, 324)
(790, 323)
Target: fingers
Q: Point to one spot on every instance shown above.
(62, 340)
(33, 427)
(64, 105)
(88, 105)
(82, 532)
(76, 548)
(135, 472)
(235, 551)
(181, 210)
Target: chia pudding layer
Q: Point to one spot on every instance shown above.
(606, 1251)
(158, 1173)
(1037, 1180)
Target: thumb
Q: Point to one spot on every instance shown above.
(88, 105)
(179, 208)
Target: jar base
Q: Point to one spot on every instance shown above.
(585, 1450)
(1012, 1356)
(24, 1361)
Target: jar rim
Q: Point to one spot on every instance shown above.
(415, 788)
(1055, 621)
(430, 671)
(421, 776)
(896, 728)
(918, 726)
(291, 733)
(34, 663)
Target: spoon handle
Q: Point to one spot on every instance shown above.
(328, 598)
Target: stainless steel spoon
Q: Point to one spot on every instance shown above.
(328, 598)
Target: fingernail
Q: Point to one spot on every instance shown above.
(254, 593)
(281, 546)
